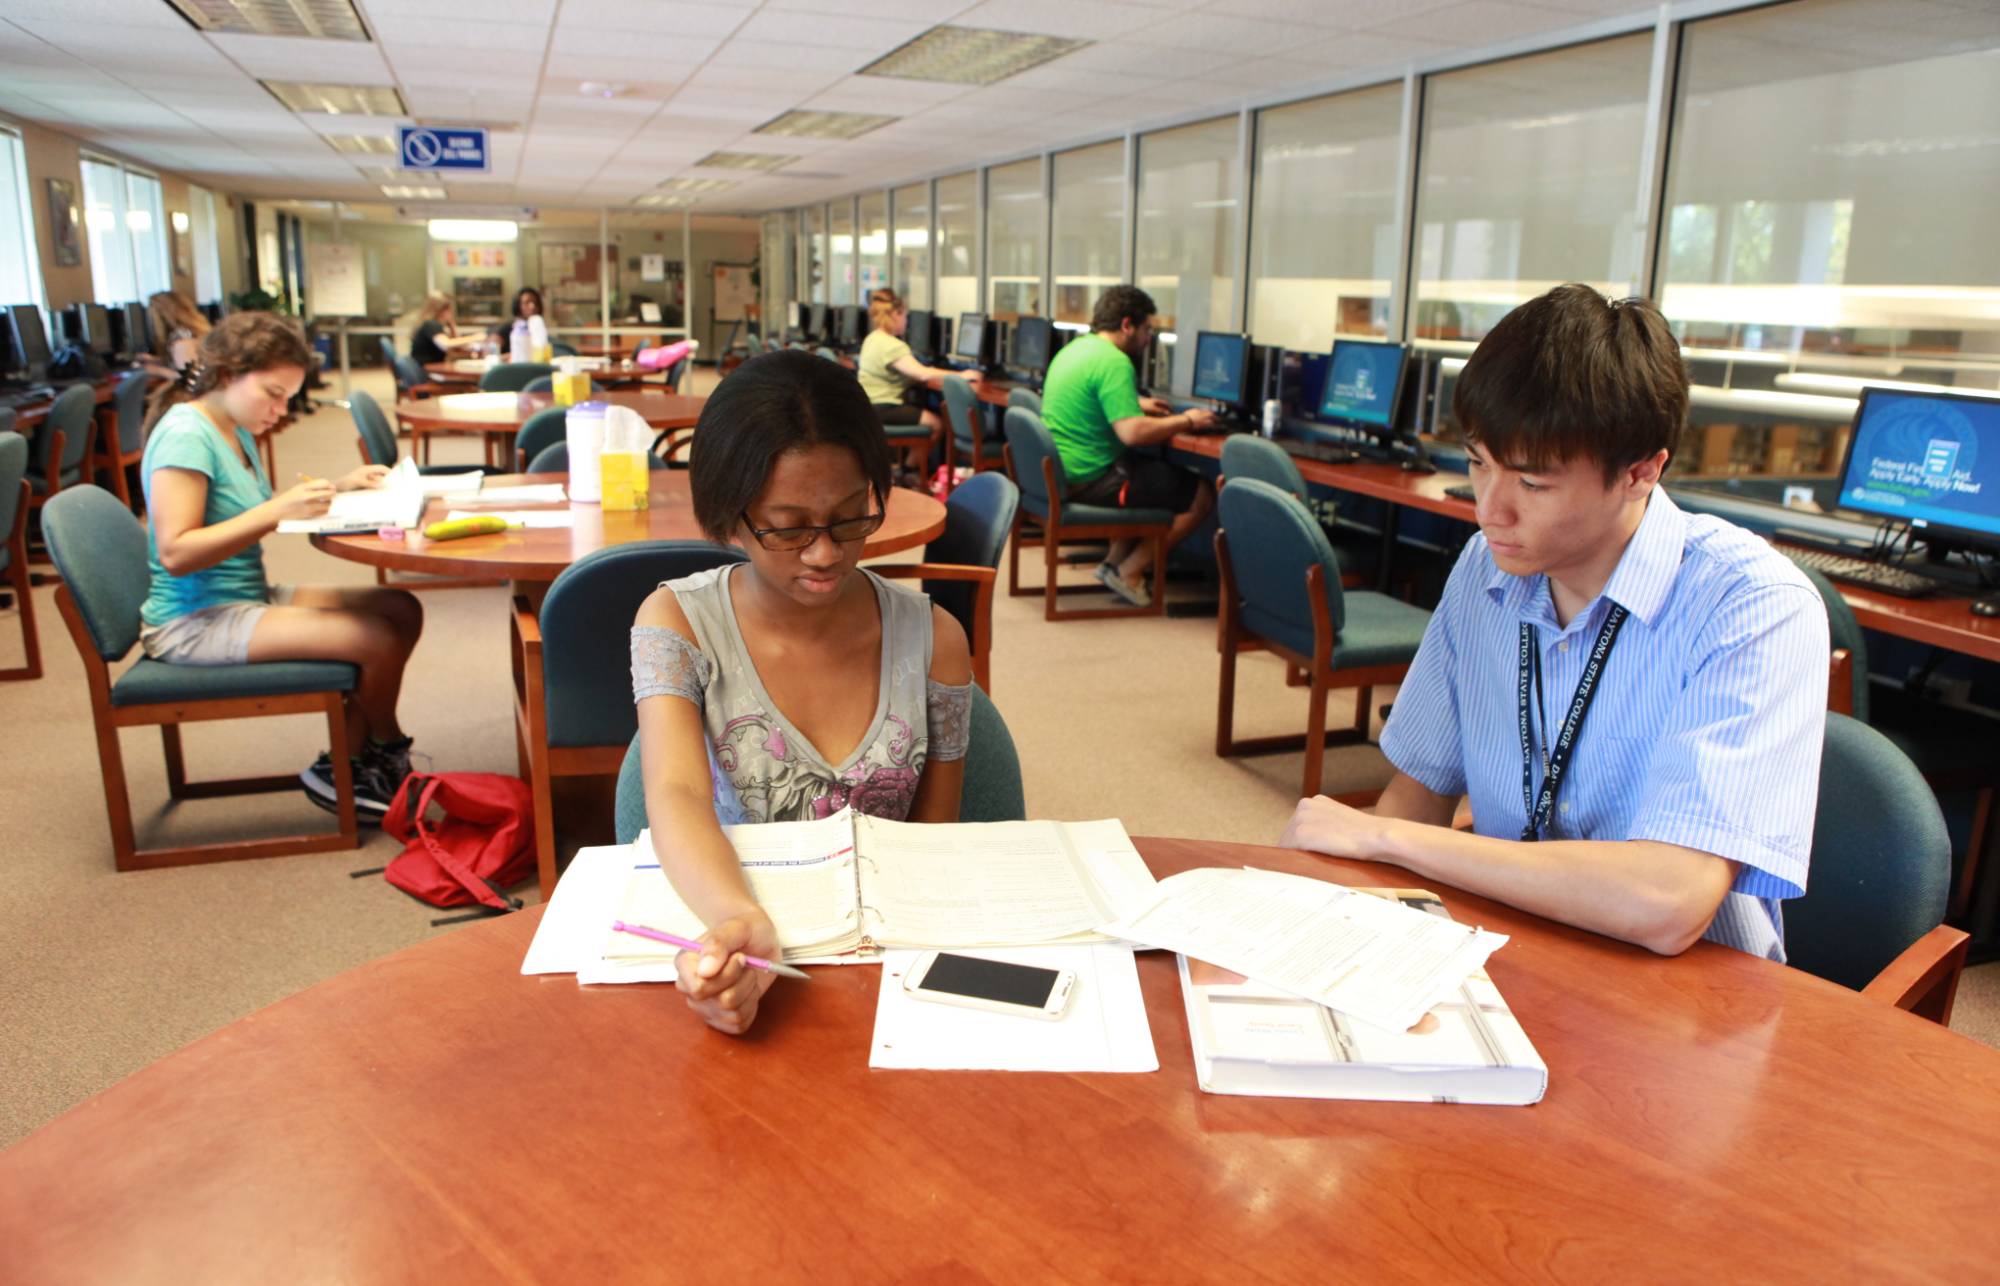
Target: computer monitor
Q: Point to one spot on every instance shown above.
(921, 333)
(121, 339)
(971, 339)
(1364, 379)
(1221, 366)
(97, 328)
(853, 320)
(816, 323)
(1929, 459)
(1034, 343)
(31, 340)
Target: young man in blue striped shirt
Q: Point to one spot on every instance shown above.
(1633, 697)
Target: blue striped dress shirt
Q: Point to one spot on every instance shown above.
(1706, 728)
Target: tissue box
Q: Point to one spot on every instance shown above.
(571, 387)
(624, 479)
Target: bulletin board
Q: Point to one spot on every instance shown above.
(335, 283)
(735, 296)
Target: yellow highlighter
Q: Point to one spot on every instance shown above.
(457, 528)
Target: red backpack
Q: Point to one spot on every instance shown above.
(483, 844)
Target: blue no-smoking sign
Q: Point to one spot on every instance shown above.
(427, 147)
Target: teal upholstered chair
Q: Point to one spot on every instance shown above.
(100, 549)
(544, 429)
(828, 354)
(573, 710)
(128, 404)
(1847, 692)
(554, 458)
(969, 445)
(991, 793)
(1281, 591)
(513, 377)
(540, 384)
(961, 565)
(59, 453)
(1872, 917)
(1038, 470)
(559, 349)
(14, 542)
(377, 441)
(1025, 397)
(1245, 455)
(411, 379)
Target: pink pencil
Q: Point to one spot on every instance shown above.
(687, 944)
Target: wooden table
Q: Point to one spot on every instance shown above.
(537, 555)
(461, 374)
(434, 1115)
(499, 416)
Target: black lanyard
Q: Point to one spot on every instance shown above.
(1555, 759)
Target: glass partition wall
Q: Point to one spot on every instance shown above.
(1808, 199)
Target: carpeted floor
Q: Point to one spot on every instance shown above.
(102, 973)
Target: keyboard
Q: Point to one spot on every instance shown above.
(1863, 572)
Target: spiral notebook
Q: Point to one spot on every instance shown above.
(851, 885)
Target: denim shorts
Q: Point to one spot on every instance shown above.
(218, 635)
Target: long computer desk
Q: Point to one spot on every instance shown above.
(1945, 622)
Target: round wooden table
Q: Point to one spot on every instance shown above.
(466, 374)
(537, 555)
(435, 1114)
(499, 416)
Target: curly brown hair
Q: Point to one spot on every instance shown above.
(240, 344)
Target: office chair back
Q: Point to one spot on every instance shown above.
(513, 377)
(540, 384)
(1845, 632)
(1273, 541)
(377, 438)
(1245, 456)
(388, 346)
(586, 623)
(13, 471)
(991, 793)
(559, 349)
(677, 373)
(961, 408)
(828, 354)
(977, 519)
(73, 413)
(1881, 860)
(1025, 397)
(130, 402)
(99, 549)
(408, 373)
(543, 430)
(554, 458)
(1029, 441)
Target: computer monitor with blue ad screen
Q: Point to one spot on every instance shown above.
(1220, 364)
(1929, 459)
(1033, 338)
(1363, 381)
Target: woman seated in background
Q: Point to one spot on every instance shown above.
(436, 336)
(895, 380)
(178, 329)
(795, 684)
(210, 506)
(527, 303)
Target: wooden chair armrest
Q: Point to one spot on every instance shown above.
(1840, 682)
(1924, 979)
(527, 626)
(934, 571)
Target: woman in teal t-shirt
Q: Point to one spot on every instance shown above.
(210, 507)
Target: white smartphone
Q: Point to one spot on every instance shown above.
(990, 984)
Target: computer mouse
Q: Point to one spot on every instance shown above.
(1418, 466)
(1986, 607)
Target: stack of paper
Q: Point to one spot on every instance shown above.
(398, 502)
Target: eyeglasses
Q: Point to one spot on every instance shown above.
(783, 539)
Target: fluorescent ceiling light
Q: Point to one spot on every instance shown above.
(412, 192)
(745, 160)
(697, 185)
(808, 124)
(660, 201)
(474, 230)
(970, 55)
(337, 100)
(362, 144)
(312, 19)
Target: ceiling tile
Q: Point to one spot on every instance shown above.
(636, 72)
(1096, 20)
(340, 62)
(664, 21)
(845, 31)
(1367, 49)
(1478, 22)
(483, 37)
(925, 11)
(534, 11)
(1218, 35)
(623, 47)
(765, 53)
(459, 67)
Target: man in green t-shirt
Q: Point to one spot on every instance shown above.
(1091, 403)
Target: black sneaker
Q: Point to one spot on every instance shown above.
(391, 760)
(370, 802)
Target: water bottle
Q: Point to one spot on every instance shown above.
(517, 341)
(583, 427)
(538, 339)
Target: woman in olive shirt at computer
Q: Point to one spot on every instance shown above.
(893, 378)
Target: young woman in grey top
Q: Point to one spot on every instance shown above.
(795, 684)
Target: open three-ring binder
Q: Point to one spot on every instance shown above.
(851, 885)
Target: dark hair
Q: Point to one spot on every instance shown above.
(1571, 374)
(541, 309)
(238, 345)
(1119, 305)
(771, 404)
